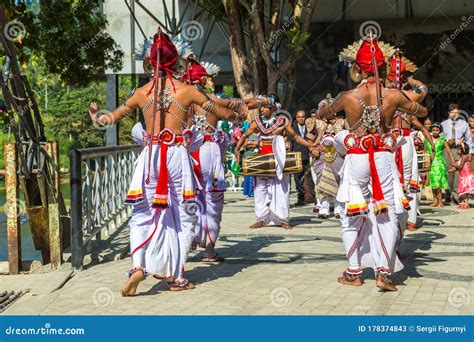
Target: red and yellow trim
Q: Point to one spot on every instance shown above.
(134, 196)
(414, 186)
(355, 209)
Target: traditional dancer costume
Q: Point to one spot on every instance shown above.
(405, 156)
(370, 187)
(272, 194)
(326, 167)
(162, 190)
(209, 166)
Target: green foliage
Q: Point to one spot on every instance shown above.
(71, 37)
(296, 38)
(67, 118)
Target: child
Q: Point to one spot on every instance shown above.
(438, 177)
(466, 177)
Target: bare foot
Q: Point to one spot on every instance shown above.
(130, 287)
(440, 206)
(258, 224)
(433, 205)
(181, 285)
(344, 281)
(286, 226)
(383, 284)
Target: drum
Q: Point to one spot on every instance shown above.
(424, 162)
(264, 165)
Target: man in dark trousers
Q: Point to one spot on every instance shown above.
(300, 129)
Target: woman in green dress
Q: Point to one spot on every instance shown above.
(438, 173)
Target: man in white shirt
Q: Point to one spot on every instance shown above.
(455, 129)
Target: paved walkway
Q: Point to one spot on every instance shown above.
(273, 271)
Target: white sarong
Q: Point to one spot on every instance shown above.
(369, 239)
(211, 198)
(160, 238)
(272, 194)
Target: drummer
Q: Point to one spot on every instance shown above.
(272, 194)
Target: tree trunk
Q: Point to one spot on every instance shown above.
(259, 66)
(240, 65)
(291, 76)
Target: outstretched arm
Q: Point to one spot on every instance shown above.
(107, 119)
(243, 139)
(213, 107)
(329, 110)
(419, 90)
(405, 104)
(415, 122)
(450, 154)
(297, 138)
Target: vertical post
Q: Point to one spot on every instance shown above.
(111, 102)
(76, 211)
(53, 207)
(132, 45)
(12, 208)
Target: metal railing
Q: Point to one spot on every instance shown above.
(100, 177)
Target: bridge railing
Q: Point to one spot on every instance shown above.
(100, 177)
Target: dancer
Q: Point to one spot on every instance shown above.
(370, 188)
(438, 177)
(327, 162)
(272, 194)
(209, 167)
(466, 176)
(402, 128)
(162, 188)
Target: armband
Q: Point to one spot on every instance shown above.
(210, 106)
(122, 110)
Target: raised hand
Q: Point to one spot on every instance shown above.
(93, 109)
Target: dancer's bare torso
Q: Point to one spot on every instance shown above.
(392, 100)
(176, 102)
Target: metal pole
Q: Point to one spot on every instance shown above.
(132, 43)
(111, 102)
(76, 211)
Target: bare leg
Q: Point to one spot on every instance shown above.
(440, 199)
(130, 287)
(435, 198)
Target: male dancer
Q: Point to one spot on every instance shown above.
(371, 193)
(162, 226)
(209, 168)
(405, 155)
(272, 194)
(328, 162)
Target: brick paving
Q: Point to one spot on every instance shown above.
(272, 271)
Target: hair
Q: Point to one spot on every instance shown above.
(427, 119)
(300, 110)
(452, 107)
(436, 125)
(463, 147)
(314, 110)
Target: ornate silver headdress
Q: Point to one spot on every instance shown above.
(211, 68)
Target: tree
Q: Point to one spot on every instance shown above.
(255, 39)
(71, 36)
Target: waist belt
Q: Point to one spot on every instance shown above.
(371, 144)
(164, 139)
(401, 131)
